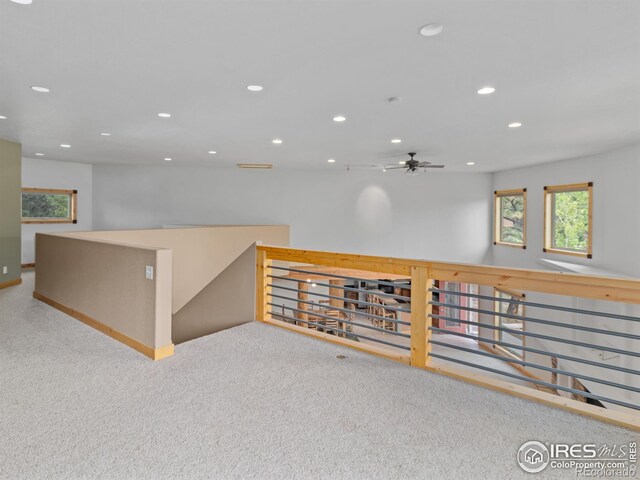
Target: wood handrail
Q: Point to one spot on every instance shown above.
(626, 290)
(422, 274)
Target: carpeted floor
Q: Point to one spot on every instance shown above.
(251, 402)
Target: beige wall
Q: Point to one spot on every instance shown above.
(10, 210)
(203, 275)
(228, 301)
(200, 254)
(107, 282)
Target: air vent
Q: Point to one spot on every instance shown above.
(255, 165)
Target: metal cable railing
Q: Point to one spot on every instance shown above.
(527, 366)
(530, 364)
(335, 297)
(538, 305)
(303, 306)
(446, 322)
(538, 320)
(343, 287)
(536, 381)
(338, 330)
(342, 277)
(546, 353)
(341, 309)
(604, 348)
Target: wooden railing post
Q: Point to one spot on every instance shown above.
(263, 291)
(429, 320)
(419, 316)
(303, 297)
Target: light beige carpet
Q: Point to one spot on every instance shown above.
(251, 402)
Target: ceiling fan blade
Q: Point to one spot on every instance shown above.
(432, 166)
(395, 167)
(424, 164)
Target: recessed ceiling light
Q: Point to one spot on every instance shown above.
(471, 163)
(168, 159)
(515, 125)
(23, 2)
(277, 141)
(164, 115)
(384, 169)
(486, 90)
(254, 88)
(35, 88)
(396, 140)
(105, 134)
(331, 160)
(339, 118)
(2, 117)
(65, 145)
(401, 162)
(431, 29)
(313, 285)
(40, 154)
(211, 152)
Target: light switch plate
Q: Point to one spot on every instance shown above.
(4, 270)
(149, 272)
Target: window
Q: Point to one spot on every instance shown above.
(508, 303)
(567, 219)
(510, 218)
(40, 205)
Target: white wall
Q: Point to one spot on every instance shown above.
(616, 234)
(435, 215)
(616, 220)
(38, 173)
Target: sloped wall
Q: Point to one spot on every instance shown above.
(228, 301)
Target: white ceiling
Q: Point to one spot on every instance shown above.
(568, 70)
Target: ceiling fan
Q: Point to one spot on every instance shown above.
(412, 165)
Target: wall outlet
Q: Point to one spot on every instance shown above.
(4, 270)
(148, 273)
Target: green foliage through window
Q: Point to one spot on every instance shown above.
(511, 212)
(46, 206)
(570, 221)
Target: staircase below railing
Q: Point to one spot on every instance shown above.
(570, 341)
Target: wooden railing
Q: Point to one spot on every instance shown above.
(573, 341)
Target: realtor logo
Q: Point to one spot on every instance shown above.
(533, 457)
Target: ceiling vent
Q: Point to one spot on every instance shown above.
(264, 166)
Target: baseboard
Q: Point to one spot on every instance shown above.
(151, 352)
(10, 283)
(28, 265)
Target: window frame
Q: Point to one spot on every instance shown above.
(497, 215)
(549, 191)
(73, 199)
(498, 322)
